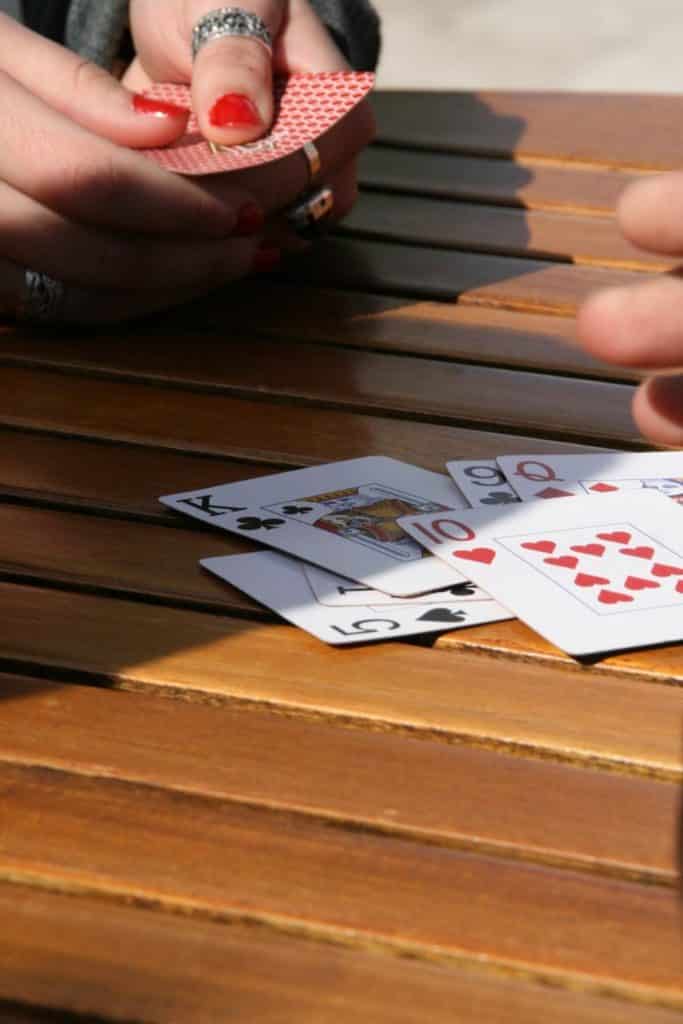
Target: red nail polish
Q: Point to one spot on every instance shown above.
(250, 220)
(157, 108)
(234, 111)
(265, 260)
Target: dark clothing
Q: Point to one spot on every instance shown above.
(95, 28)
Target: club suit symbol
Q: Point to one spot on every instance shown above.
(253, 523)
(499, 498)
(295, 510)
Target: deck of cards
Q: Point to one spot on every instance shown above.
(372, 549)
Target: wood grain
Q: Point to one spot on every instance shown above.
(72, 952)
(477, 227)
(535, 186)
(428, 273)
(609, 823)
(352, 379)
(217, 424)
(565, 712)
(450, 331)
(227, 859)
(607, 130)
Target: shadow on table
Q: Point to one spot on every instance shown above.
(405, 236)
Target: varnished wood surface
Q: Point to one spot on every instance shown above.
(210, 816)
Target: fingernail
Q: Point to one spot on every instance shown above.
(157, 108)
(234, 111)
(265, 260)
(250, 220)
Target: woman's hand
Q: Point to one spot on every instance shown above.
(642, 326)
(75, 203)
(232, 89)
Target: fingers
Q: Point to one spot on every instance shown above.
(276, 186)
(85, 93)
(232, 79)
(344, 188)
(658, 410)
(35, 236)
(651, 213)
(306, 46)
(640, 326)
(88, 179)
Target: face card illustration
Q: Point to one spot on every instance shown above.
(343, 516)
(558, 476)
(588, 575)
(339, 592)
(306, 106)
(482, 481)
(279, 582)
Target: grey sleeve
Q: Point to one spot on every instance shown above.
(95, 28)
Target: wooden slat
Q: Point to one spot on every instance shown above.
(535, 186)
(476, 227)
(508, 282)
(73, 952)
(124, 479)
(220, 858)
(570, 713)
(364, 381)
(219, 425)
(132, 559)
(569, 127)
(610, 822)
(451, 331)
(515, 638)
(117, 555)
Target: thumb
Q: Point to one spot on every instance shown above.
(85, 93)
(232, 79)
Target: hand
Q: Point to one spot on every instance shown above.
(77, 205)
(642, 326)
(232, 89)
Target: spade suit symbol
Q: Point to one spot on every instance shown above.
(442, 615)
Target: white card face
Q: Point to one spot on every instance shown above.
(340, 592)
(342, 516)
(559, 476)
(592, 574)
(279, 582)
(482, 481)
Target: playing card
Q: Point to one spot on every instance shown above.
(482, 481)
(306, 106)
(560, 476)
(279, 582)
(340, 592)
(589, 574)
(342, 516)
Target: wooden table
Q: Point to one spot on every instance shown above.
(207, 815)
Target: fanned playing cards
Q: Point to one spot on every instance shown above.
(306, 106)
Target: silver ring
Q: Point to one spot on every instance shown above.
(310, 151)
(42, 298)
(307, 217)
(230, 21)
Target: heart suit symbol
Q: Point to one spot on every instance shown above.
(659, 569)
(546, 546)
(589, 549)
(619, 537)
(636, 583)
(612, 597)
(564, 562)
(485, 555)
(585, 580)
(641, 552)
